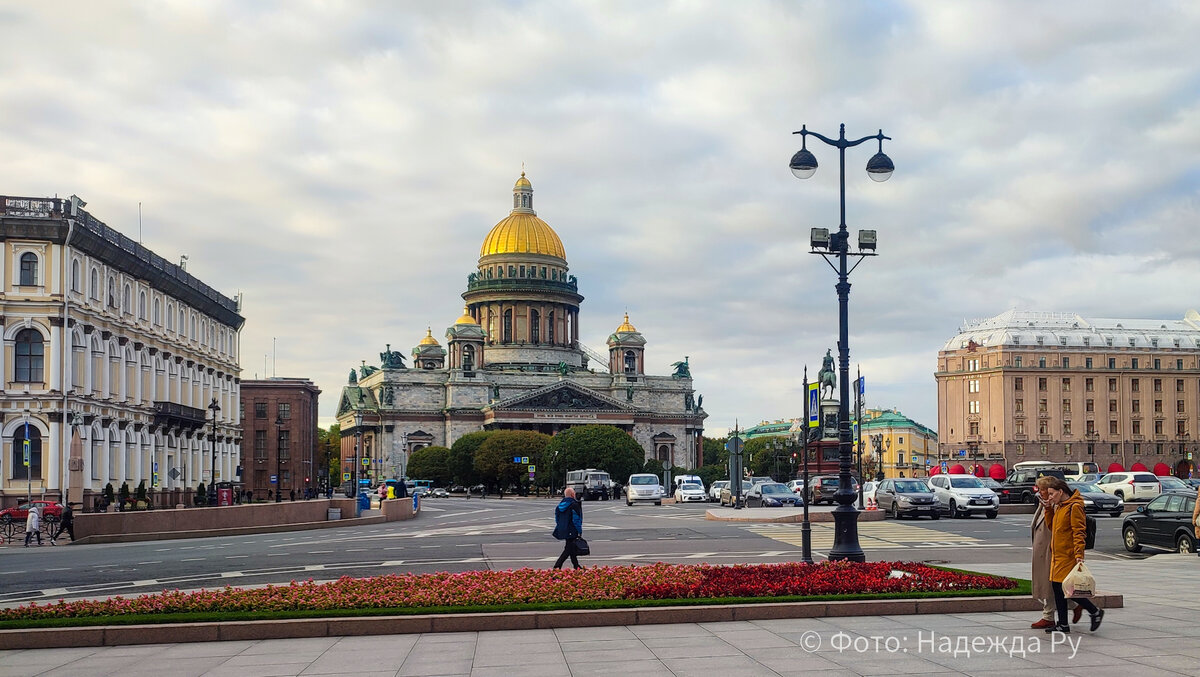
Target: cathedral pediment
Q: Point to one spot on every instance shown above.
(563, 396)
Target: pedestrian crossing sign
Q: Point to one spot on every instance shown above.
(345, 477)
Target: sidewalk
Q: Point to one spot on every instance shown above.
(1153, 635)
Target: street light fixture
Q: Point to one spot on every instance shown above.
(212, 473)
(879, 168)
(279, 458)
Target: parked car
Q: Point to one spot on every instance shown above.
(643, 487)
(868, 489)
(796, 486)
(1130, 486)
(727, 496)
(989, 483)
(458, 489)
(1095, 500)
(439, 492)
(772, 495)
(906, 497)
(690, 491)
(1019, 486)
(50, 511)
(1165, 522)
(1089, 478)
(964, 495)
(825, 486)
(714, 490)
(1172, 483)
(1193, 482)
(420, 491)
(759, 480)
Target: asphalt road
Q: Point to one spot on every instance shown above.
(456, 534)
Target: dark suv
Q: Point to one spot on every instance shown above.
(825, 486)
(1019, 486)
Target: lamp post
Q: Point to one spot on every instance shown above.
(805, 526)
(354, 467)
(879, 168)
(1091, 436)
(279, 458)
(212, 473)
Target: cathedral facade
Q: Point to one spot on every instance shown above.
(513, 361)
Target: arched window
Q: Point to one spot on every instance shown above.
(550, 328)
(157, 312)
(535, 327)
(182, 321)
(30, 353)
(29, 269)
(664, 452)
(94, 288)
(34, 470)
(142, 305)
(192, 334)
(630, 362)
(506, 328)
(468, 361)
(75, 275)
(127, 300)
(112, 292)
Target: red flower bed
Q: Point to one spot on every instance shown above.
(534, 586)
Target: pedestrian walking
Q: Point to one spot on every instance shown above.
(1041, 589)
(568, 526)
(292, 495)
(66, 523)
(33, 523)
(1067, 524)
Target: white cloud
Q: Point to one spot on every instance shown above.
(340, 164)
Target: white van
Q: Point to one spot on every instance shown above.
(643, 487)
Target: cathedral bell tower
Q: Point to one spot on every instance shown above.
(626, 351)
(465, 339)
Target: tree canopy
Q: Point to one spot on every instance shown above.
(603, 447)
(494, 458)
(462, 458)
(430, 463)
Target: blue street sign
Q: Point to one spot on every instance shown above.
(516, 459)
(814, 405)
(274, 479)
(962, 452)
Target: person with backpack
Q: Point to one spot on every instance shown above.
(568, 526)
(1067, 523)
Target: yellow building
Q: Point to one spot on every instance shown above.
(896, 445)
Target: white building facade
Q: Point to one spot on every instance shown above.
(115, 362)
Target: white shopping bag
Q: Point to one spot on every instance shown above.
(1080, 582)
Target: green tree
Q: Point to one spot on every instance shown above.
(711, 473)
(714, 451)
(329, 451)
(494, 459)
(758, 458)
(430, 463)
(603, 447)
(462, 458)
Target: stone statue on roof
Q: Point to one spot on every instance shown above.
(353, 378)
(682, 369)
(392, 359)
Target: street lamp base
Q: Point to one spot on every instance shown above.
(845, 535)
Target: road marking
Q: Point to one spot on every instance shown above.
(192, 559)
(58, 569)
(236, 556)
(230, 574)
(320, 552)
(153, 561)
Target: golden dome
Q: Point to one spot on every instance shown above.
(429, 340)
(625, 326)
(466, 318)
(522, 232)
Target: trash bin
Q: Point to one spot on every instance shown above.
(335, 513)
(364, 501)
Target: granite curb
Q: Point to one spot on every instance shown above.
(118, 635)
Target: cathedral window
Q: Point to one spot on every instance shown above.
(512, 271)
(535, 329)
(522, 271)
(550, 328)
(630, 362)
(506, 328)
(543, 272)
(554, 274)
(468, 358)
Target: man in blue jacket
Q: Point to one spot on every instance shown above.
(568, 526)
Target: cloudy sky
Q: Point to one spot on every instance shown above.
(339, 163)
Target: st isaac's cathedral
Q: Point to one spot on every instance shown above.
(514, 361)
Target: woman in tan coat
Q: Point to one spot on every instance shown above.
(1040, 582)
(1068, 534)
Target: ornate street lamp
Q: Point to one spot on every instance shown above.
(212, 474)
(879, 168)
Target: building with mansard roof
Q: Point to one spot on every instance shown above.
(119, 367)
(1116, 392)
(513, 361)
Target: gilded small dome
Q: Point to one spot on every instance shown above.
(466, 318)
(625, 326)
(523, 182)
(429, 340)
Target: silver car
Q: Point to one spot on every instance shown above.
(906, 497)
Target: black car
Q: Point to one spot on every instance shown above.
(1165, 522)
(825, 486)
(772, 495)
(1019, 486)
(1096, 500)
(907, 497)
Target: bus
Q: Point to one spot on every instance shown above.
(590, 484)
(1072, 470)
(424, 486)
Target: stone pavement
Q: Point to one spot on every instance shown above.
(1155, 634)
